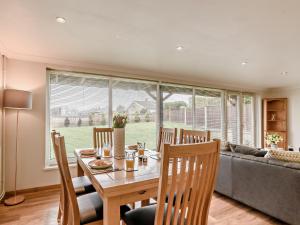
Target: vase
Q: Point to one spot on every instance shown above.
(274, 146)
(119, 142)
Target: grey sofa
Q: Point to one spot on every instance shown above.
(270, 186)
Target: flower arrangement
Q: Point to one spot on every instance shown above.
(273, 139)
(119, 120)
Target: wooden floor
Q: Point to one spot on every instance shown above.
(40, 208)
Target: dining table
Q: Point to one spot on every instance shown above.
(118, 187)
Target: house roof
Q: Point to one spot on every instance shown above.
(150, 105)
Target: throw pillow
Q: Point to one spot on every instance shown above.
(246, 150)
(282, 155)
(232, 147)
(225, 146)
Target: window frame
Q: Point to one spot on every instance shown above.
(240, 115)
(159, 110)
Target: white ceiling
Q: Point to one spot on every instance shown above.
(217, 36)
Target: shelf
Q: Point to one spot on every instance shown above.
(275, 118)
(282, 131)
(276, 110)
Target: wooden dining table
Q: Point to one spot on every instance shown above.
(119, 187)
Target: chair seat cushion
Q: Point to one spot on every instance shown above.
(82, 185)
(142, 216)
(91, 208)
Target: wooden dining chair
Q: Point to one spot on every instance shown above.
(82, 184)
(102, 136)
(84, 209)
(193, 136)
(166, 136)
(191, 176)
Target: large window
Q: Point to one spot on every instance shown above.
(240, 118)
(78, 102)
(137, 99)
(76, 105)
(248, 124)
(208, 111)
(177, 106)
(233, 118)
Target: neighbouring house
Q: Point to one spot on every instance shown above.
(141, 107)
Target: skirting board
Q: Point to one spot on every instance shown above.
(30, 190)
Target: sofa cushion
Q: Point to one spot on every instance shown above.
(282, 155)
(232, 146)
(225, 146)
(246, 150)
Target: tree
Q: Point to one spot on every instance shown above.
(137, 117)
(147, 117)
(79, 122)
(91, 121)
(103, 120)
(247, 99)
(67, 122)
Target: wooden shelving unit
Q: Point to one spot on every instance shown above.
(275, 119)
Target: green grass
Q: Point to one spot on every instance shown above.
(82, 137)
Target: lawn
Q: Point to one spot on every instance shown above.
(82, 137)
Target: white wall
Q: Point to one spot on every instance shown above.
(31, 157)
(293, 96)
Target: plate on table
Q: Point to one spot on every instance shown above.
(100, 164)
(132, 147)
(87, 152)
(155, 155)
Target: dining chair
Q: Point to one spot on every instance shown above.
(82, 184)
(188, 170)
(102, 136)
(166, 136)
(193, 136)
(83, 209)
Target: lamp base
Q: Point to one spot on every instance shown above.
(15, 200)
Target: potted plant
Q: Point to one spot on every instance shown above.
(119, 123)
(273, 140)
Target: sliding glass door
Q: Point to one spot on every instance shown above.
(176, 106)
(138, 100)
(208, 111)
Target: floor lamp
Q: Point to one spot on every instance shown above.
(16, 100)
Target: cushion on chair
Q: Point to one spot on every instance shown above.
(142, 216)
(82, 185)
(91, 208)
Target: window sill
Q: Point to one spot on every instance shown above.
(55, 167)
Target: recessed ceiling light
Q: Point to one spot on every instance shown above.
(60, 20)
(284, 73)
(179, 48)
(244, 63)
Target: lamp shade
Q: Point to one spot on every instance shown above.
(17, 99)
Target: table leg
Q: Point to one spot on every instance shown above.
(79, 170)
(111, 211)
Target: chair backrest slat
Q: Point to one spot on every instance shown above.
(102, 136)
(166, 136)
(193, 136)
(191, 176)
(74, 215)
